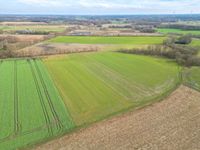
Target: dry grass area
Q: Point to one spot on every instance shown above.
(23, 23)
(173, 124)
(42, 49)
(23, 38)
(57, 48)
(16, 42)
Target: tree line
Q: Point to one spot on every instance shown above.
(183, 54)
(181, 26)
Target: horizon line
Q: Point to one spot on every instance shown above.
(61, 14)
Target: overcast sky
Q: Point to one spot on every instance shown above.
(93, 7)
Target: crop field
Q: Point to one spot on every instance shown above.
(192, 77)
(96, 85)
(178, 31)
(31, 108)
(109, 40)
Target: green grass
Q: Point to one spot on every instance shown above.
(96, 85)
(108, 40)
(192, 77)
(31, 108)
(195, 42)
(178, 31)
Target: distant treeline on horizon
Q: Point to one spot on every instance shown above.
(142, 17)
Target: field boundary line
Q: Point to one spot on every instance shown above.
(191, 87)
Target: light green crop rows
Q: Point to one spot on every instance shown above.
(31, 109)
(97, 85)
(108, 40)
(93, 86)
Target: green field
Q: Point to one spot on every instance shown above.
(195, 42)
(178, 31)
(192, 77)
(41, 99)
(31, 108)
(191, 23)
(96, 85)
(108, 40)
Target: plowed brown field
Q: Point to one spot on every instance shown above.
(173, 124)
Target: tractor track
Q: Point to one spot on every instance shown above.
(16, 105)
(44, 109)
(54, 113)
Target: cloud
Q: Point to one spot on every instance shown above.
(45, 3)
(157, 5)
(111, 6)
(153, 6)
(102, 4)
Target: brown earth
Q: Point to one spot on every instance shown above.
(173, 124)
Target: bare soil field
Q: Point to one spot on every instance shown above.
(173, 124)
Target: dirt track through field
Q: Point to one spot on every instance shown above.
(173, 124)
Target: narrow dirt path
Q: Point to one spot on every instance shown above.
(173, 124)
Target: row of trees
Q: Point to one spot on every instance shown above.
(181, 26)
(183, 55)
(31, 32)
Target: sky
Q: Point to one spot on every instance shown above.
(99, 7)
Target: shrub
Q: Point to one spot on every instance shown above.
(185, 39)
